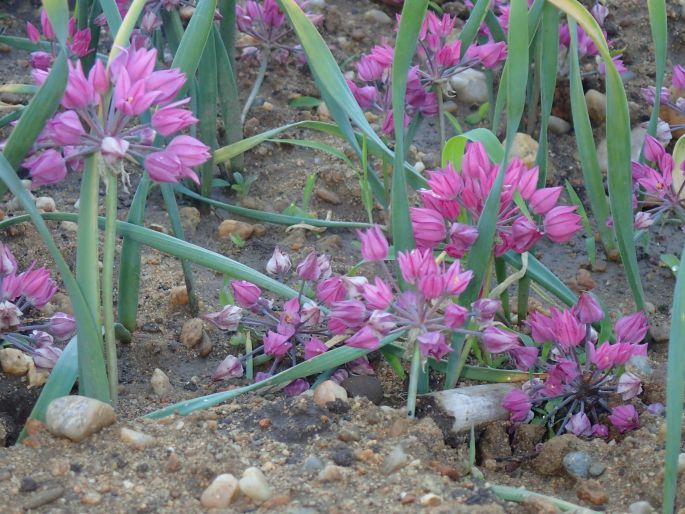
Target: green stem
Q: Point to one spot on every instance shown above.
(257, 84)
(523, 294)
(249, 365)
(441, 114)
(414, 373)
(108, 284)
(501, 273)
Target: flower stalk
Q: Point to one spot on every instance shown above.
(108, 284)
(414, 373)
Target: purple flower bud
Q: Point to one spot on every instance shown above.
(518, 403)
(230, 367)
(455, 315)
(432, 344)
(41, 339)
(579, 425)
(374, 244)
(46, 168)
(227, 318)
(309, 268)
(246, 294)
(496, 340)
(588, 310)
(485, 309)
(46, 357)
(314, 347)
(279, 263)
(7, 263)
(631, 329)
(629, 385)
(568, 331)
(656, 409)
(599, 430)
(62, 326)
(361, 366)
(624, 418)
(366, 338)
(339, 376)
(296, 387)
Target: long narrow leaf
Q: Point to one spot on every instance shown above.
(476, 18)
(413, 13)
(546, 59)
(123, 34)
(619, 176)
(675, 382)
(229, 102)
(207, 111)
(657, 22)
(109, 8)
(187, 57)
(58, 13)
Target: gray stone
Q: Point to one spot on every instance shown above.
(597, 469)
(637, 139)
(577, 464)
(160, 383)
(367, 386)
(137, 440)
(377, 16)
(77, 417)
(312, 464)
(558, 126)
(641, 507)
(470, 86)
(396, 460)
(43, 497)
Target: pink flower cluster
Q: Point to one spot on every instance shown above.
(580, 387)
(450, 194)
(659, 193)
(130, 87)
(20, 293)
(265, 23)
(439, 58)
(672, 105)
(78, 41)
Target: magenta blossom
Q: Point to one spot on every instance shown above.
(518, 403)
(624, 418)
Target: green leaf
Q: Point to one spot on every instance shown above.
(659, 27)
(592, 175)
(21, 89)
(675, 382)
(229, 102)
(589, 235)
(520, 494)
(539, 273)
(455, 146)
(123, 34)
(619, 176)
(109, 8)
(413, 12)
(316, 145)
(470, 31)
(207, 91)
(58, 13)
(192, 45)
(307, 102)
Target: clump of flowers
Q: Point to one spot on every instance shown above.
(439, 58)
(78, 41)
(585, 378)
(102, 115)
(660, 186)
(672, 105)
(21, 294)
(450, 194)
(265, 23)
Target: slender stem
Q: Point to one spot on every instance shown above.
(257, 84)
(441, 114)
(414, 373)
(108, 284)
(523, 294)
(249, 363)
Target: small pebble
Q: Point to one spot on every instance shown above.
(641, 507)
(137, 440)
(597, 469)
(343, 457)
(173, 463)
(241, 229)
(179, 295)
(28, 485)
(191, 332)
(312, 464)
(331, 473)
(329, 391)
(205, 346)
(328, 196)
(577, 464)
(69, 226)
(558, 126)
(190, 218)
(396, 460)
(596, 105)
(221, 492)
(77, 417)
(377, 16)
(592, 492)
(14, 362)
(91, 498)
(43, 498)
(470, 86)
(160, 383)
(254, 485)
(430, 500)
(46, 204)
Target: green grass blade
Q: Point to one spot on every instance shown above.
(58, 13)
(316, 145)
(546, 59)
(619, 176)
(493, 24)
(192, 44)
(329, 360)
(658, 24)
(229, 102)
(207, 111)
(675, 381)
(592, 175)
(93, 377)
(473, 24)
(130, 258)
(109, 8)
(60, 383)
(540, 274)
(227, 30)
(123, 34)
(270, 217)
(22, 89)
(413, 13)
(519, 494)
(455, 146)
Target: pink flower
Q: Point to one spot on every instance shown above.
(632, 329)
(455, 315)
(524, 357)
(227, 318)
(542, 200)
(62, 326)
(653, 149)
(624, 418)
(189, 150)
(65, 128)
(603, 357)
(432, 344)
(456, 281)
(79, 92)
(37, 286)
(374, 244)
(485, 309)
(230, 367)
(45, 24)
(416, 263)
(138, 64)
(314, 347)
(496, 340)
(279, 263)
(431, 285)
(445, 182)
(46, 168)
(382, 321)
(9, 315)
(331, 290)
(32, 32)
(351, 313)
(80, 42)
(366, 338)
(518, 403)
(309, 268)
(462, 238)
(678, 79)
(41, 339)
(562, 223)
(40, 60)
(379, 295)
(113, 149)
(246, 294)
(568, 331)
(171, 119)
(599, 430)
(525, 234)
(542, 327)
(7, 263)
(165, 166)
(629, 385)
(429, 227)
(276, 344)
(600, 12)
(166, 83)
(587, 309)
(46, 357)
(296, 387)
(579, 425)
(489, 54)
(361, 366)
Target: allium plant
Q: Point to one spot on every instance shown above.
(21, 296)
(268, 36)
(102, 116)
(660, 186)
(585, 379)
(672, 105)
(78, 41)
(439, 57)
(455, 201)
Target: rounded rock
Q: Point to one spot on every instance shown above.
(179, 295)
(191, 333)
(377, 16)
(241, 229)
(596, 105)
(221, 492)
(470, 86)
(559, 126)
(396, 460)
(641, 507)
(312, 464)
(160, 383)
(525, 148)
(46, 204)
(15, 362)
(137, 440)
(254, 485)
(329, 391)
(577, 464)
(76, 417)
